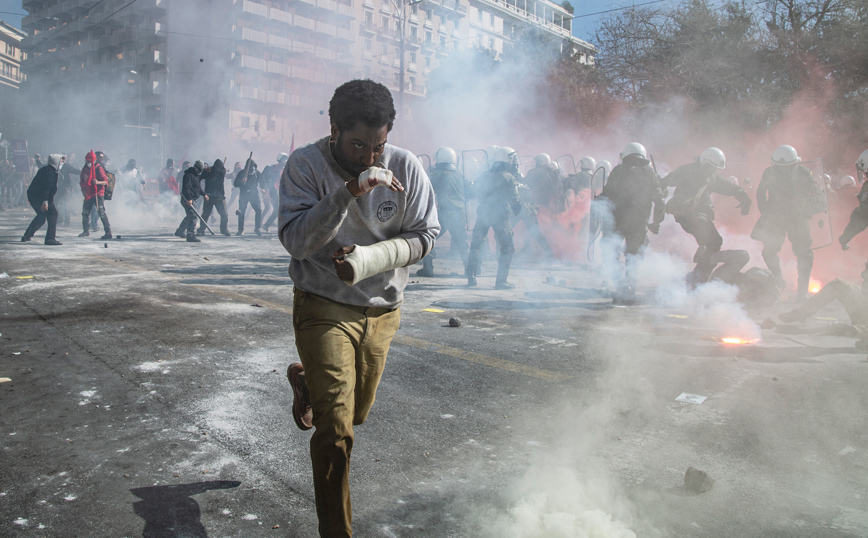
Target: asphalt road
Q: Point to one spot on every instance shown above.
(147, 397)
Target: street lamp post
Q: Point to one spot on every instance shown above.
(139, 121)
(151, 129)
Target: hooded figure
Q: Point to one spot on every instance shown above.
(191, 189)
(247, 181)
(93, 181)
(215, 197)
(40, 194)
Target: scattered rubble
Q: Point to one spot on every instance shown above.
(455, 322)
(697, 481)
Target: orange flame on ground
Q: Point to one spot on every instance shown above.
(815, 286)
(738, 341)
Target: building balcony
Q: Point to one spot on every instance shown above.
(280, 16)
(280, 98)
(510, 9)
(367, 28)
(252, 9)
(325, 29)
(280, 43)
(345, 34)
(278, 68)
(304, 22)
(250, 35)
(249, 92)
(250, 63)
(446, 7)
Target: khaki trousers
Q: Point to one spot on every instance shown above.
(343, 350)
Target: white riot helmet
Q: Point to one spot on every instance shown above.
(447, 157)
(785, 155)
(846, 181)
(506, 155)
(556, 166)
(862, 162)
(606, 165)
(282, 157)
(634, 149)
(490, 150)
(714, 157)
(543, 159)
(588, 163)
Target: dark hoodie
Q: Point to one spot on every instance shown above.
(44, 185)
(214, 179)
(191, 189)
(252, 183)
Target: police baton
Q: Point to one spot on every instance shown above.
(193, 209)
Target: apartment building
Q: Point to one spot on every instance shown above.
(178, 73)
(11, 78)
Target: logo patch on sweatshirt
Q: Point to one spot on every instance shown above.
(386, 211)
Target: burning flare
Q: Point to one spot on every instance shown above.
(734, 340)
(814, 286)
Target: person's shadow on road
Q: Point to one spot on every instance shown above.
(171, 511)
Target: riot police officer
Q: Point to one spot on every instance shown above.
(497, 190)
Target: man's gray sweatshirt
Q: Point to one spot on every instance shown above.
(319, 215)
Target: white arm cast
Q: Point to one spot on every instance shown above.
(383, 256)
(374, 177)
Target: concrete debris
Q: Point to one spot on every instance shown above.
(4, 275)
(697, 481)
(550, 280)
(454, 322)
(768, 323)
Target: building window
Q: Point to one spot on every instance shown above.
(479, 16)
(368, 45)
(428, 37)
(443, 41)
(412, 57)
(367, 71)
(383, 73)
(491, 19)
(369, 17)
(385, 23)
(412, 84)
(245, 121)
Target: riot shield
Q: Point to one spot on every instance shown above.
(525, 163)
(598, 181)
(426, 161)
(567, 165)
(816, 206)
(473, 164)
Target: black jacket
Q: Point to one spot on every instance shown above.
(251, 184)
(214, 179)
(191, 189)
(43, 187)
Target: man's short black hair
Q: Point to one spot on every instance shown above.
(363, 101)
